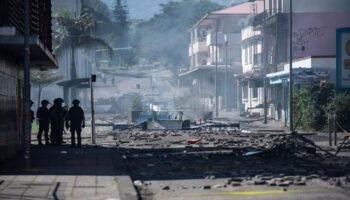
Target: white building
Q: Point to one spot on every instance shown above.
(215, 42)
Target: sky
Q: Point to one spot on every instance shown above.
(145, 9)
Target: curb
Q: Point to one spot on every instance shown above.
(126, 188)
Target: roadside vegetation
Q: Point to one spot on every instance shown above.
(313, 104)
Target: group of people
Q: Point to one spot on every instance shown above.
(56, 118)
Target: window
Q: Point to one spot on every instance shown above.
(245, 55)
(250, 60)
(255, 92)
(245, 92)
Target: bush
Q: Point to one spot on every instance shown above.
(311, 103)
(341, 106)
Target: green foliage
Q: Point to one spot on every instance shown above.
(120, 12)
(42, 79)
(164, 38)
(100, 13)
(340, 105)
(310, 104)
(75, 32)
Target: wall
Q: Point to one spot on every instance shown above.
(11, 83)
(317, 5)
(315, 33)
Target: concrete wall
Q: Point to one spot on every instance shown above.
(315, 33)
(11, 84)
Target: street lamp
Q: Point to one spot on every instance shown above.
(226, 43)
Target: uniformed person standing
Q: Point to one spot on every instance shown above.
(75, 121)
(57, 116)
(31, 112)
(43, 114)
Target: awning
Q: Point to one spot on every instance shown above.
(40, 56)
(80, 83)
(300, 75)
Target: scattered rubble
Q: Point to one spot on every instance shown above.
(224, 160)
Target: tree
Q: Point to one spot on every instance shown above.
(164, 38)
(120, 12)
(76, 32)
(43, 79)
(121, 33)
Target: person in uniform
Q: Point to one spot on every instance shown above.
(75, 121)
(43, 114)
(57, 116)
(31, 112)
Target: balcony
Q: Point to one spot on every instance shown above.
(211, 39)
(190, 50)
(249, 32)
(12, 30)
(199, 47)
(268, 17)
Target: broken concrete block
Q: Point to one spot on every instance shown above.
(207, 187)
(236, 184)
(271, 183)
(259, 182)
(301, 182)
(284, 183)
(167, 187)
(138, 183)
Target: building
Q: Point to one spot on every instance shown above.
(264, 45)
(83, 58)
(215, 44)
(11, 64)
(314, 49)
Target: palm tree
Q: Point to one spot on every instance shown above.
(74, 33)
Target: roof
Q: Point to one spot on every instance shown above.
(245, 8)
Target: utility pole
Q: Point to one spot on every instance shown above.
(264, 63)
(26, 90)
(291, 65)
(226, 43)
(216, 70)
(93, 134)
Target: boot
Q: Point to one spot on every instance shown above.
(39, 141)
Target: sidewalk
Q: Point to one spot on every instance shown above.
(67, 173)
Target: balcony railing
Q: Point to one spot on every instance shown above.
(12, 15)
(264, 16)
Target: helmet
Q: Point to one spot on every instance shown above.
(45, 102)
(58, 101)
(75, 102)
